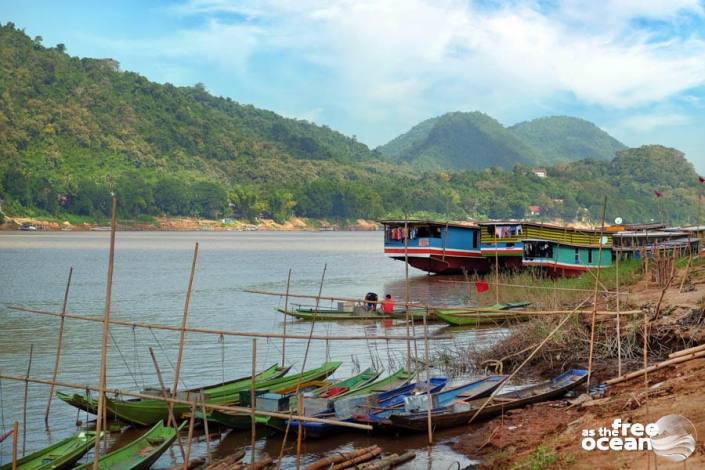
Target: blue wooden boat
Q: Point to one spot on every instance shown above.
(457, 414)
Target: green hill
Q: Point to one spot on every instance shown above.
(565, 138)
(460, 141)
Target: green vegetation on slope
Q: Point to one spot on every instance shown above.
(73, 130)
(564, 138)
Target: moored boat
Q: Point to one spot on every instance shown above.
(458, 414)
(61, 455)
(478, 316)
(139, 454)
(351, 314)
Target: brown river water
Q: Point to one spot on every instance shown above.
(149, 285)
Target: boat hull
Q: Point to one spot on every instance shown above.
(438, 264)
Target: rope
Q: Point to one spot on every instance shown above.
(171, 364)
(124, 361)
(137, 354)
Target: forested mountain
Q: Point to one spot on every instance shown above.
(565, 138)
(73, 130)
(460, 141)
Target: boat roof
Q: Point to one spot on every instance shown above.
(539, 224)
(643, 234)
(430, 222)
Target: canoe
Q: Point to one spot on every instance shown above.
(388, 399)
(139, 454)
(365, 377)
(458, 414)
(62, 455)
(326, 314)
(282, 385)
(481, 316)
(231, 388)
(398, 378)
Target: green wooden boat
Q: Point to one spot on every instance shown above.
(329, 314)
(139, 454)
(147, 412)
(497, 313)
(398, 378)
(365, 377)
(62, 455)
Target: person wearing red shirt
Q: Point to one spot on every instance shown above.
(388, 305)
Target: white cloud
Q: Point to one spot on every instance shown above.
(649, 122)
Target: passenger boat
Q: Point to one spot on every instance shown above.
(480, 316)
(435, 247)
(61, 455)
(458, 414)
(139, 454)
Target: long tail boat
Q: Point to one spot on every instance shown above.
(398, 378)
(353, 383)
(139, 454)
(478, 316)
(331, 314)
(458, 414)
(61, 455)
(231, 388)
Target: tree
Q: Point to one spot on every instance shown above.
(134, 194)
(172, 196)
(209, 199)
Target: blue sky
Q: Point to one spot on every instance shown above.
(375, 68)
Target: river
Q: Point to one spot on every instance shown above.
(149, 285)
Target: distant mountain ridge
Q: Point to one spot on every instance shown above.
(474, 140)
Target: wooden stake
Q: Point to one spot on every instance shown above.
(496, 270)
(619, 329)
(24, 405)
(299, 436)
(15, 432)
(286, 309)
(184, 319)
(190, 434)
(58, 347)
(171, 420)
(106, 329)
(209, 457)
(406, 292)
(428, 378)
(597, 282)
(253, 401)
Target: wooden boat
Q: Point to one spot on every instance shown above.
(330, 314)
(230, 388)
(139, 454)
(481, 316)
(398, 378)
(458, 414)
(365, 377)
(61, 455)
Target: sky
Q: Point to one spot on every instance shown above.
(374, 69)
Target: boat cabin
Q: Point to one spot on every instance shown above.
(560, 259)
(435, 247)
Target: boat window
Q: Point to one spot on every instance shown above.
(577, 255)
(426, 231)
(506, 231)
(474, 238)
(538, 250)
(589, 256)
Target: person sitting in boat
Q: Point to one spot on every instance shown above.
(388, 305)
(372, 304)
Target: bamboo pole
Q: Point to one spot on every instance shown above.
(156, 326)
(406, 293)
(171, 420)
(428, 380)
(209, 457)
(253, 398)
(15, 431)
(660, 365)
(496, 271)
(533, 353)
(286, 309)
(24, 404)
(210, 406)
(106, 330)
(58, 347)
(685, 352)
(594, 304)
(184, 319)
(619, 327)
(191, 423)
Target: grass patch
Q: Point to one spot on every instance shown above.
(538, 460)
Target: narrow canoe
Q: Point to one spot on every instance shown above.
(62, 455)
(398, 378)
(139, 454)
(310, 314)
(365, 377)
(458, 414)
(497, 313)
(232, 388)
